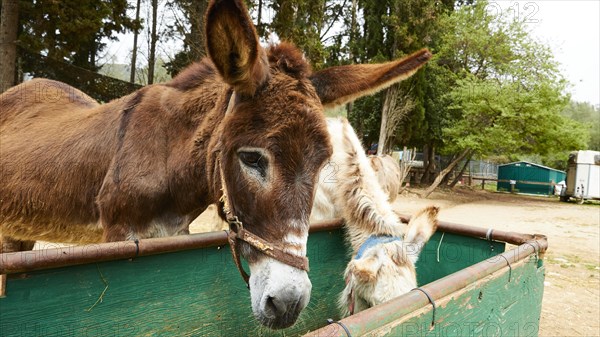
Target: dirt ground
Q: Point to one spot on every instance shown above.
(571, 304)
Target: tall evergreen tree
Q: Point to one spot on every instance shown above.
(61, 40)
(391, 29)
(72, 31)
(301, 22)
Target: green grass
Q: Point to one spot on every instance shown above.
(491, 186)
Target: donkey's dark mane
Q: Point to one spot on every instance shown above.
(289, 59)
(193, 76)
(284, 57)
(126, 114)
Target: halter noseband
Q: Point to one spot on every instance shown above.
(237, 232)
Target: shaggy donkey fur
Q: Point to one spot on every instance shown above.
(348, 188)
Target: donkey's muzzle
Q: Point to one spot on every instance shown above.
(286, 293)
(279, 284)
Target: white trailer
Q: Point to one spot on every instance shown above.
(583, 176)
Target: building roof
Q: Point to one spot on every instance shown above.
(532, 164)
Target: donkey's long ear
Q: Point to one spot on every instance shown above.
(420, 228)
(339, 85)
(233, 46)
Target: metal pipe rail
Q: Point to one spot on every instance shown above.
(21, 262)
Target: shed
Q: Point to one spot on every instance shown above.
(529, 178)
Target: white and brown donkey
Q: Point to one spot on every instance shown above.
(245, 125)
(384, 250)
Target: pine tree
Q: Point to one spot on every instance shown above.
(71, 31)
(9, 19)
(391, 29)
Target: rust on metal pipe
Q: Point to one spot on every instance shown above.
(27, 261)
(482, 233)
(386, 313)
(20, 262)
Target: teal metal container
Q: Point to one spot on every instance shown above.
(528, 178)
(189, 286)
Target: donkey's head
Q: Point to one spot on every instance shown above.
(273, 142)
(386, 269)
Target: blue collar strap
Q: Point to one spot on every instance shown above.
(373, 241)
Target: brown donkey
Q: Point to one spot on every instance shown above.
(245, 126)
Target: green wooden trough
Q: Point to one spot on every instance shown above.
(189, 286)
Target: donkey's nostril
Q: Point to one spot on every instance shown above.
(275, 306)
(278, 301)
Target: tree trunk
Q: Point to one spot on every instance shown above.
(405, 164)
(85, 56)
(423, 178)
(381, 144)
(197, 41)
(447, 177)
(351, 40)
(428, 164)
(444, 172)
(9, 26)
(353, 31)
(153, 40)
(432, 164)
(259, 26)
(93, 52)
(389, 118)
(390, 99)
(135, 44)
(457, 178)
(349, 108)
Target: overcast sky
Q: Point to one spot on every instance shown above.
(570, 28)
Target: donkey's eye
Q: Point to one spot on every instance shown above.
(254, 160)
